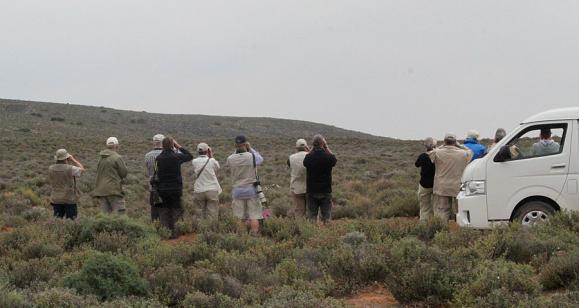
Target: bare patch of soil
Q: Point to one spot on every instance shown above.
(371, 297)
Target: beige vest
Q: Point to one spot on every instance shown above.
(298, 173)
(64, 190)
(241, 167)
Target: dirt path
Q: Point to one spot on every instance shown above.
(373, 296)
(181, 239)
(6, 230)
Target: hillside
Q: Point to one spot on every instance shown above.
(76, 121)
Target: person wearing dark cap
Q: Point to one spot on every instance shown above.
(62, 179)
(169, 182)
(245, 201)
(319, 163)
(449, 160)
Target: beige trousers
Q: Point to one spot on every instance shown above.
(206, 204)
(425, 198)
(299, 209)
(445, 207)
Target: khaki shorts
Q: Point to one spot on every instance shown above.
(247, 208)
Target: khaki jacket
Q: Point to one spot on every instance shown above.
(450, 162)
(111, 171)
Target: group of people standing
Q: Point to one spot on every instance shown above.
(441, 172)
(310, 184)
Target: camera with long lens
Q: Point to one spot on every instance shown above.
(259, 192)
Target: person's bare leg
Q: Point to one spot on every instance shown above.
(242, 226)
(254, 226)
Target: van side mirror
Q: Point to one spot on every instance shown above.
(504, 154)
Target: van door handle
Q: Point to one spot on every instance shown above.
(558, 166)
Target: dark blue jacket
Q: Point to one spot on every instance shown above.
(478, 150)
(169, 170)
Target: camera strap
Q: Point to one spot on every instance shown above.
(201, 171)
(255, 167)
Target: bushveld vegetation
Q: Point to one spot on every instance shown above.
(125, 261)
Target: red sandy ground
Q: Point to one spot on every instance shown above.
(372, 297)
(6, 230)
(181, 239)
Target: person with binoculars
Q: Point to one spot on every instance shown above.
(247, 196)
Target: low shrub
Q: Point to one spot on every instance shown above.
(422, 273)
(171, 283)
(201, 300)
(107, 276)
(561, 271)
(287, 297)
(489, 276)
(65, 298)
(26, 273)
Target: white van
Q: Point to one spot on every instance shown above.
(527, 176)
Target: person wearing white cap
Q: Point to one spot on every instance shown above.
(206, 189)
(471, 142)
(150, 171)
(111, 171)
(298, 178)
(449, 160)
(62, 178)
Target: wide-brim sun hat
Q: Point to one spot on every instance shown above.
(61, 154)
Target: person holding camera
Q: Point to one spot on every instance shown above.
(246, 192)
(168, 182)
(62, 178)
(319, 163)
(298, 178)
(150, 171)
(206, 189)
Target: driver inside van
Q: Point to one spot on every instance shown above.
(546, 145)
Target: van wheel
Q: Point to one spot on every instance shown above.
(534, 212)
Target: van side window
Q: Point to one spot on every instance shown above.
(538, 141)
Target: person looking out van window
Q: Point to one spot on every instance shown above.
(546, 145)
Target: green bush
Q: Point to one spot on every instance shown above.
(201, 300)
(64, 298)
(561, 271)
(287, 297)
(422, 273)
(171, 283)
(496, 275)
(25, 273)
(107, 276)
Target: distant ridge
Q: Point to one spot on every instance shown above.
(79, 120)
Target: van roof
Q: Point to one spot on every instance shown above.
(571, 113)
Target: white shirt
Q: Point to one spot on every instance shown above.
(207, 180)
(298, 173)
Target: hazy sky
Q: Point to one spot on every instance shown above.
(403, 68)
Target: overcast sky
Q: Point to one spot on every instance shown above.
(404, 69)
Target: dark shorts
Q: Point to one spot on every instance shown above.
(65, 210)
(319, 203)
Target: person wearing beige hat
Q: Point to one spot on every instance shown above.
(298, 179)
(62, 178)
(111, 172)
(206, 189)
(449, 160)
(150, 171)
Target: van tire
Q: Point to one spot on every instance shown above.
(533, 212)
